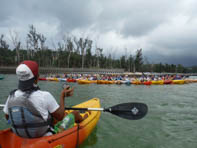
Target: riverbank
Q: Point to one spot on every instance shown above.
(55, 70)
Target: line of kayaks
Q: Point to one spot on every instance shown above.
(135, 82)
(160, 82)
(57, 79)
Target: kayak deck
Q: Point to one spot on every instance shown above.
(69, 138)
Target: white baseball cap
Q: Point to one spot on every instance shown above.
(26, 72)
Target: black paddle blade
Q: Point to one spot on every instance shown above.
(131, 111)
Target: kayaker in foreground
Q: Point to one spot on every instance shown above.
(30, 110)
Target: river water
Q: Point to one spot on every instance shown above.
(170, 123)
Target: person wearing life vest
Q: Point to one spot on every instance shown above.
(30, 110)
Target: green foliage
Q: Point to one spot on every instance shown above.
(7, 57)
(3, 43)
(51, 58)
(138, 60)
(75, 52)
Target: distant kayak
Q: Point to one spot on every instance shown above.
(105, 82)
(1, 77)
(159, 82)
(71, 80)
(42, 79)
(178, 81)
(136, 82)
(62, 79)
(52, 79)
(167, 82)
(84, 82)
(190, 81)
(147, 83)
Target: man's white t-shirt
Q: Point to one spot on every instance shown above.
(43, 101)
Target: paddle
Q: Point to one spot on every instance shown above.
(1, 106)
(144, 75)
(131, 111)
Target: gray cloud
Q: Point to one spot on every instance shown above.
(185, 60)
(146, 16)
(166, 30)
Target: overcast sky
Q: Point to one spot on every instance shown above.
(166, 30)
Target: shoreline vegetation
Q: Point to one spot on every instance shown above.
(55, 72)
(77, 52)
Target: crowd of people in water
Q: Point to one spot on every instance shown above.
(122, 77)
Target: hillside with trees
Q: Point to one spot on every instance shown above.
(73, 52)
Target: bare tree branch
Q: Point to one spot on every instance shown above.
(16, 43)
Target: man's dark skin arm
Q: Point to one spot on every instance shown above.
(7, 116)
(60, 112)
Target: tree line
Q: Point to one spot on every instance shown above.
(73, 52)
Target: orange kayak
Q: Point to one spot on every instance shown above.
(147, 83)
(69, 138)
(84, 82)
(136, 82)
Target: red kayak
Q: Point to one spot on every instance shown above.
(42, 79)
(71, 80)
(167, 82)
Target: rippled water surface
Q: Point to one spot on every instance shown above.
(170, 123)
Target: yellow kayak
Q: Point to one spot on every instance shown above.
(159, 82)
(178, 81)
(69, 138)
(84, 82)
(52, 79)
(109, 82)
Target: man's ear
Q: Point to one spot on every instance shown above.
(36, 79)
